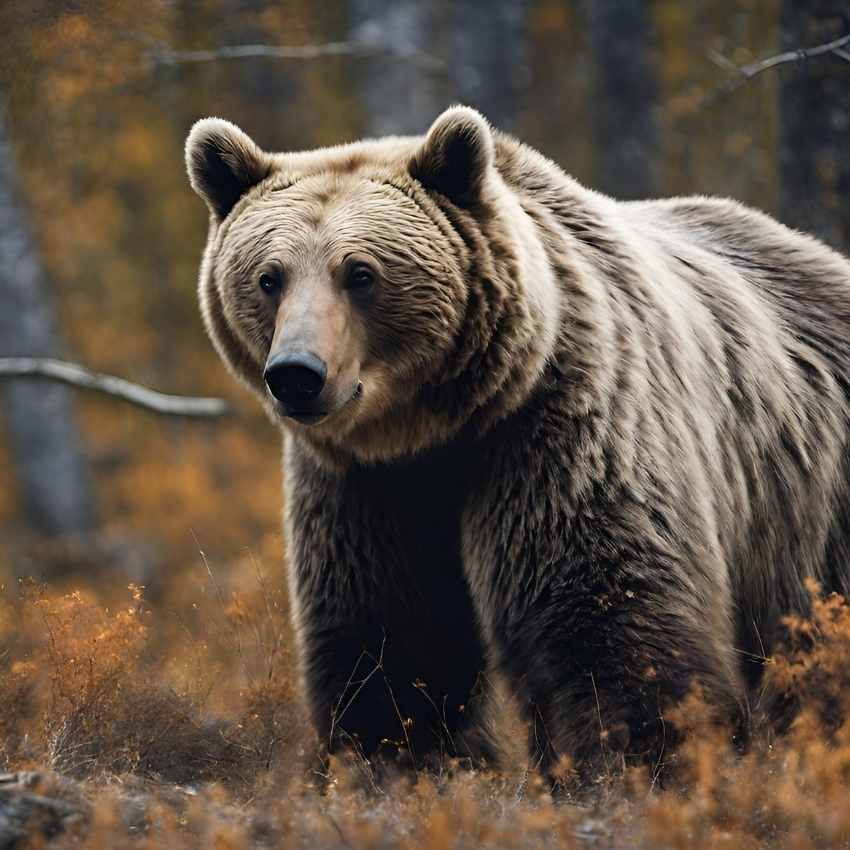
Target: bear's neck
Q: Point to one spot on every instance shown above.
(513, 313)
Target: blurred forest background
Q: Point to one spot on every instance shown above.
(100, 235)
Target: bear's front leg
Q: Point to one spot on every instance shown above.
(391, 658)
(598, 621)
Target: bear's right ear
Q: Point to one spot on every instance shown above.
(223, 164)
(456, 155)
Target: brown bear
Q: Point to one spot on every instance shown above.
(594, 447)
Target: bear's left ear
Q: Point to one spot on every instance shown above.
(223, 164)
(456, 155)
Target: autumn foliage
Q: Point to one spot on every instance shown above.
(192, 735)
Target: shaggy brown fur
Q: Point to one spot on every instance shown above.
(597, 446)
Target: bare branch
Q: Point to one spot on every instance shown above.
(744, 73)
(79, 376)
(165, 55)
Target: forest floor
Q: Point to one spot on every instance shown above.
(176, 723)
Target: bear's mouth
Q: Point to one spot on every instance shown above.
(312, 417)
(305, 418)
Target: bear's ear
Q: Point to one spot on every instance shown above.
(455, 156)
(223, 163)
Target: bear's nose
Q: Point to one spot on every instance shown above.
(295, 379)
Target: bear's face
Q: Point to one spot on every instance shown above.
(338, 283)
(343, 291)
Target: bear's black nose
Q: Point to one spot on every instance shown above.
(295, 379)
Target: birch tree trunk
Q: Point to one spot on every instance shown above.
(44, 442)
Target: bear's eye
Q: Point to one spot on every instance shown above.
(269, 284)
(360, 277)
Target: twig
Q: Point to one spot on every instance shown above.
(423, 689)
(220, 597)
(744, 73)
(398, 714)
(338, 829)
(601, 724)
(659, 762)
(337, 715)
(79, 376)
(165, 55)
(277, 640)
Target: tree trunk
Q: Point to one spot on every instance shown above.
(814, 103)
(490, 58)
(625, 90)
(44, 443)
(440, 53)
(398, 87)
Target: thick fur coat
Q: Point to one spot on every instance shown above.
(594, 446)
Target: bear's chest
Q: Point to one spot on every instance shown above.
(422, 499)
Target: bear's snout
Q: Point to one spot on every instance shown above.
(295, 379)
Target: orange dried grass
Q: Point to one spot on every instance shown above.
(88, 695)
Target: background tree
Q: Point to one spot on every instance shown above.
(489, 60)
(399, 83)
(814, 122)
(45, 444)
(101, 94)
(625, 97)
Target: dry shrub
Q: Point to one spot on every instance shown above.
(106, 714)
(93, 691)
(812, 672)
(96, 704)
(18, 678)
(17, 685)
(789, 790)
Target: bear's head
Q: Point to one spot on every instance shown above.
(378, 296)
